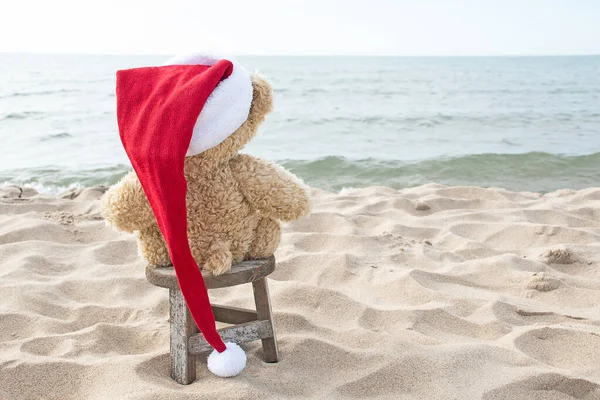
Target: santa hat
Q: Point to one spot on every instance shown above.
(165, 113)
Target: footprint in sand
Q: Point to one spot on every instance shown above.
(60, 217)
(558, 256)
(542, 283)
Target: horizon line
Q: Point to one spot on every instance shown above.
(507, 55)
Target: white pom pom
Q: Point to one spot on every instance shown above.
(228, 363)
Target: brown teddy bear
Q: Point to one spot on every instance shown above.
(193, 200)
(235, 202)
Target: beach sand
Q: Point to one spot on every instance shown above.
(431, 292)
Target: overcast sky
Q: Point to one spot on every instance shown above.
(400, 27)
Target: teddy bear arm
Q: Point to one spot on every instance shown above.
(125, 205)
(269, 188)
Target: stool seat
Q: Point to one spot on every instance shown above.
(240, 273)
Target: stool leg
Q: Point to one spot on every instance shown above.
(183, 364)
(263, 311)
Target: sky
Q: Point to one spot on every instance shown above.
(310, 27)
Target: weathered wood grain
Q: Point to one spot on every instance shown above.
(183, 363)
(244, 272)
(250, 325)
(233, 315)
(264, 312)
(243, 333)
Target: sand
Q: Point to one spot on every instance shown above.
(432, 292)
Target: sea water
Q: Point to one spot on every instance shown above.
(524, 123)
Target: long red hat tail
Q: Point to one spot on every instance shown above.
(157, 108)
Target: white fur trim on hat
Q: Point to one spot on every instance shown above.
(226, 108)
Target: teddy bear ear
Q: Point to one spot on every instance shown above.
(262, 99)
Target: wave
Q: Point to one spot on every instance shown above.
(38, 93)
(54, 180)
(21, 115)
(432, 120)
(536, 172)
(62, 135)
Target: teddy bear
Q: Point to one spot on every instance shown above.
(235, 202)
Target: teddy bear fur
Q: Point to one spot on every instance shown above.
(235, 202)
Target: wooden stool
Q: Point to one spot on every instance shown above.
(250, 325)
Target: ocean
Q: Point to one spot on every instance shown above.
(522, 123)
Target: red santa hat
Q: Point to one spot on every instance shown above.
(165, 113)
